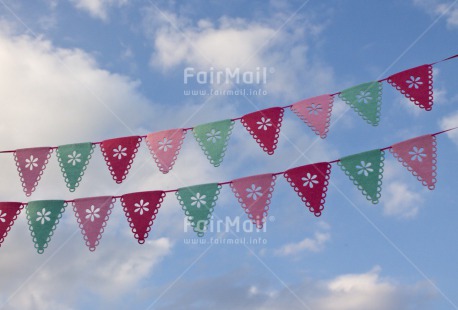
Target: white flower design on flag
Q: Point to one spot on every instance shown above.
(417, 154)
(120, 152)
(31, 162)
(264, 123)
(93, 213)
(254, 191)
(213, 135)
(2, 216)
(43, 216)
(310, 180)
(364, 97)
(314, 109)
(198, 200)
(414, 82)
(165, 144)
(141, 207)
(364, 168)
(74, 158)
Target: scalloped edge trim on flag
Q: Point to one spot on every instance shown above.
(324, 188)
(104, 220)
(430, 100)
(132, 225)
(71, 187)
(167, 133)
(12, 219)
(430, 185)
(28, 191)
(319, 125)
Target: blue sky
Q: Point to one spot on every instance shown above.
(88, 70)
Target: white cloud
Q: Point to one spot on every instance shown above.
(440, 7)
(98, 8)
(448, 122)
(313, 244)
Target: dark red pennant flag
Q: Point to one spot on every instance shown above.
(254, 193)
(418, 155)
(141, 209)
(315, 112)
(416, 84)
(9, 212)
(119, 153)
(311, 184)
(92, 215)
(264, 126)
(30, 164)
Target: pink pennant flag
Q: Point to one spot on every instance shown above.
(254, 193)
(9, 212)
(316, 113)
(264, 126)
(311, 184)
(165, 146)
(31, 164)
(119, 153)
(418, 155)
(92, 215)
(416, 84)
(141, 209)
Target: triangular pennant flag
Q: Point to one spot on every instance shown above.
(264, 126)
(418, 155)
(92, 215)
(43, 217)
(366, 171)
(311, 184)
(198, 203)
(365, 99)
(30, 164)
(416, 84)
(9, 212)
(254, 193)
(213, 139)
(119, 153)
(316, 113)
(165, 146)
(73, 161)
(141, 209)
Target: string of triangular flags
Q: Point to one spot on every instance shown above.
(254, 193)
(264, 126)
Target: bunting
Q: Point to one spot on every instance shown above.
(254, 194)
(119, 154)
(165, 146)
(73, 161)
(418, 155)
(30, 164)
(9, 211)
(141, 210)
(311, 184)
(43, 217)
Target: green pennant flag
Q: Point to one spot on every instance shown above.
(73, 160)
(198, 202)
(213, 139)
(43, 217)
(366, 172)
(365, 99)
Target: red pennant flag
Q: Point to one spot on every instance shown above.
(316, 113)
(254, 195)
(264, 126)
(311, 184)
(30, 164)
(119, 153)
(418, 155)
(165, 146)
(141, 209)
(9, 212)
(92, 215)
(416, 84)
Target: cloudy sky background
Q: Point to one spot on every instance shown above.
(88, 70)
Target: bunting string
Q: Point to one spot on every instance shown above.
(254, 193)
(263, 125)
